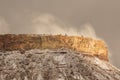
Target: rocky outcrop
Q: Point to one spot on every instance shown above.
(54, 57)
(10, 42)
(59, 64)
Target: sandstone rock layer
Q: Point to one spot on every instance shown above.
(89, 46)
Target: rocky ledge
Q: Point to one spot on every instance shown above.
(10, 42)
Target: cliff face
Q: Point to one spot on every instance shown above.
(54, 57)
(89, 46)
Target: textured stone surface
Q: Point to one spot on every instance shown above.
(92, 47)
(57, 64)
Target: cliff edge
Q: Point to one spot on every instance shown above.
(54, 57)
(89, 46)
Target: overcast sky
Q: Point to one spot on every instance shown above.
(24, 16)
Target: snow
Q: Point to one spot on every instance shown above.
(101, 63)
(48, 63)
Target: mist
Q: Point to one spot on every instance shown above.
(4, 29)
(48, 24)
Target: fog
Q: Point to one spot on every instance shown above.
(4, 29)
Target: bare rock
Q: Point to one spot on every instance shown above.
(10, 42)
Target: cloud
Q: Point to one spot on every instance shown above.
(87, 30)
(3, 26)
(48, 24)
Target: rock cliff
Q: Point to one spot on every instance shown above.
(10, 42)
(54, 57)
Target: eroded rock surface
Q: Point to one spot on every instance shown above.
(10, 42)
(54, 64)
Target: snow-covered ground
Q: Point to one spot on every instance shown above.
(61, 64)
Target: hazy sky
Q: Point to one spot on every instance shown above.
(24, 16)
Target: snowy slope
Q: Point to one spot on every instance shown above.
(60, 64)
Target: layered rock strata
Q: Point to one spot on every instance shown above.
(89, 46)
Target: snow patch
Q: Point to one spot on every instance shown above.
(101, 63)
